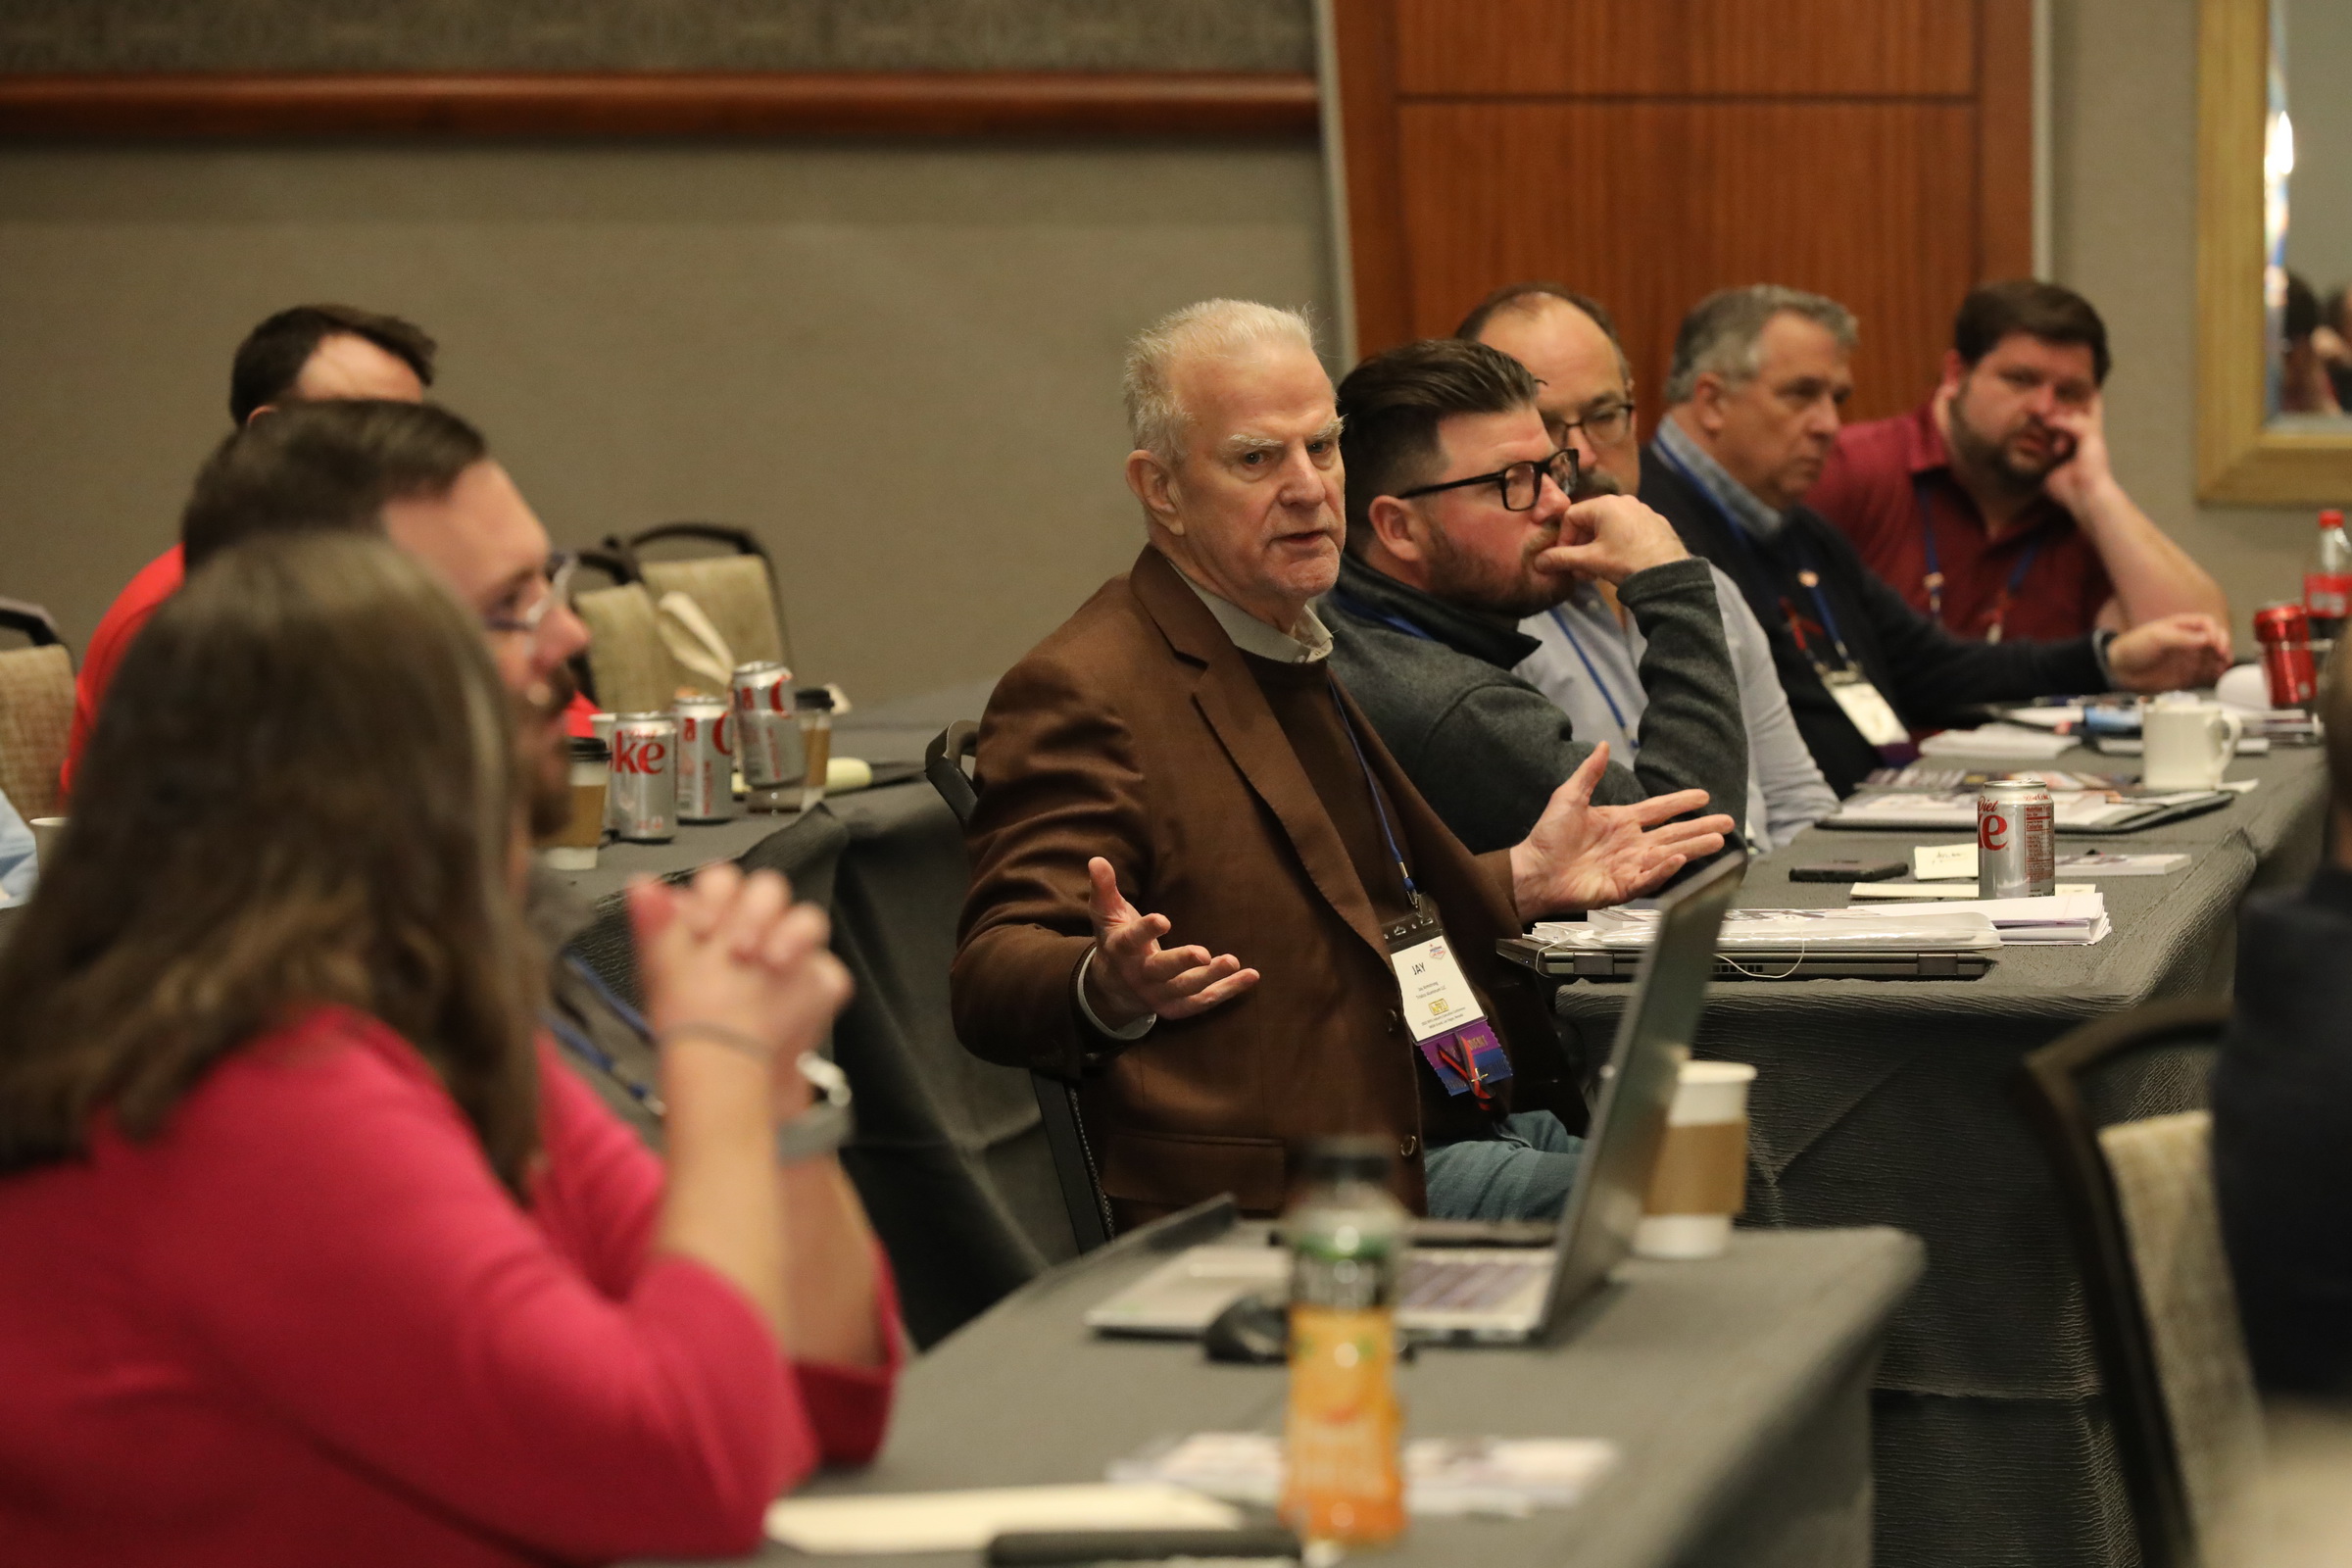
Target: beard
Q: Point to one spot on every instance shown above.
(546, 752)
(1475, 584)
(1995, 458)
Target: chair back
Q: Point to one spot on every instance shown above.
(736, 589)
(34, 623)
(36, 715)
(633, 669)
(1074, 1165)
(2137, 1189)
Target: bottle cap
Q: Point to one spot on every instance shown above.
(1352, 1159)
(2331, 518)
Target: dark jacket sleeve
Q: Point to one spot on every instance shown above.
(1931, 674)
(1490, 760)
(1693, 734)
(1059, 785)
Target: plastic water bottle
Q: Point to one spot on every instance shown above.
(1341, 1481)
(2328, 580)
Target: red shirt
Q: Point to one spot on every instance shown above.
(1872, 488)
(304, 1324)
(157, 581)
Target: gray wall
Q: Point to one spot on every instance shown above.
(899, 364)
(2124, 212)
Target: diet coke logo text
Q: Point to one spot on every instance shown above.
(638, 753)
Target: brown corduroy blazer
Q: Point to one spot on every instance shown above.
(1136, 732)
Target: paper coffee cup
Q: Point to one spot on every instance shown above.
(46, 831)
(1700, 1178)
(573, 845)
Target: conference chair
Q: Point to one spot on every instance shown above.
(36, 710)
(2137, 1190)
(617, 571)
(1074, 1166)
(735, 588)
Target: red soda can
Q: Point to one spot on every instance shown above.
(705, 759)
(2017, 840)
(768, 733)
(2283, 630)
(645, 778)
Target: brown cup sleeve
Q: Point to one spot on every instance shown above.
(1701, 1169)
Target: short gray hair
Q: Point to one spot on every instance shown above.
(1723, 333)
(1211, 329)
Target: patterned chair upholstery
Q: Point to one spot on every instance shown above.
(36, 714)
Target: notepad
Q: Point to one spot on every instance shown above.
(967, 1521)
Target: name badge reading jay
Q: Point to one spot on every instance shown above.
(1442, 1010)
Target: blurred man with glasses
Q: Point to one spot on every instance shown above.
(1462, 522)
(1591, 650)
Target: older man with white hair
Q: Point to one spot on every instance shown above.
(1177, 762)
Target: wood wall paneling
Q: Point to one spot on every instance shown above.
(1695, 48)
(1647, 206)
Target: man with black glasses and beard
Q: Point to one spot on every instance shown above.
(1992, 507)
(1460, 521)
(424, 477)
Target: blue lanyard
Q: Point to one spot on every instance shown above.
(580, 1045)
(1598, 685)
(1363, 611)
(1934, 580)
(1413, 896)
(1806, 575)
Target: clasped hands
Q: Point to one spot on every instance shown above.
(1578, 856)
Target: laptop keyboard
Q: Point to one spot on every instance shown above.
(1456, 1285)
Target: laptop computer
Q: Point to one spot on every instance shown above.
(1485, 1295)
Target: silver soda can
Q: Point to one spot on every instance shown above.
(705, 759)
(645, 778)
(2016, 841)
(768, 733)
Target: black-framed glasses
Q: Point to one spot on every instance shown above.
(1603, 427)
(1520, 483)
(560, 567)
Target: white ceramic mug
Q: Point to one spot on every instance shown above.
(2186, 745)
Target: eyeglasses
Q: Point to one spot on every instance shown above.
(1603, 427)
(1520, 483)
(558, 580)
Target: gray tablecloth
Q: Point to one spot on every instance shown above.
(948, 1156)
(1894, 1102)
(1736, 1389)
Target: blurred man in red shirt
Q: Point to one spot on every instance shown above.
(1992, 507)
(302, 354)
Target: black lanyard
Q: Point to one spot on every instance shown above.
(1806, 576)
(1412, 895)
(1932, 581)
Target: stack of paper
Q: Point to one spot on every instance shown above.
(1905, 809)
(1507, 1477)
(2073, 919)
(967, 1521)
(1786, 930)
(2011, 742)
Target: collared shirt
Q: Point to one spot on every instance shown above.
(1311, 644)
(1872, 489)
(1745, 507)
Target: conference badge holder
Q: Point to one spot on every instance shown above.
(1439, 1007)
(1869, 709)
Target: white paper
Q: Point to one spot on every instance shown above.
(1913, 891)
(1511, 1477)
(1438, 1000)
(1939, 862)
(967, 1521)
(2105, 862)
(2008, 742)
(2077, 919)
(1937, 812)
(1780, 930)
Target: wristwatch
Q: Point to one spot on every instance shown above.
(825, 1125)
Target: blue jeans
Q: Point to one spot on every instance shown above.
(1523, 1174)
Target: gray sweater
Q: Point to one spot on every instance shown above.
(1486, 749)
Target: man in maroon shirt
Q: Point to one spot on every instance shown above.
(1992, 507)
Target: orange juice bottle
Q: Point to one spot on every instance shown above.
(1341, 1477)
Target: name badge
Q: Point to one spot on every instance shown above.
(1442, 1010)
(1871, 713)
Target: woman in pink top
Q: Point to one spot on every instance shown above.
(314, 1254)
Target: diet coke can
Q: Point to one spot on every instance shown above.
(767, 734)
(645, 778)
(705, 759)
(2285, 632)
(2016, 841)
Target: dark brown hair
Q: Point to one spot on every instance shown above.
(1394, 403)
(269, 360)
(2026, 305)
(323, 466)
(303, 790)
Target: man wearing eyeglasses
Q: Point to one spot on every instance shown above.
(1590, 654)
(1459, 524)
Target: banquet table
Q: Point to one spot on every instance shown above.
(1894, 1102)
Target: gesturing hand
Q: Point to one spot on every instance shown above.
(2169, 653)
(734, 952)
(1584, 856)
(1132, 974)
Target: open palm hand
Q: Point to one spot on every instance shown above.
(1584, 856)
